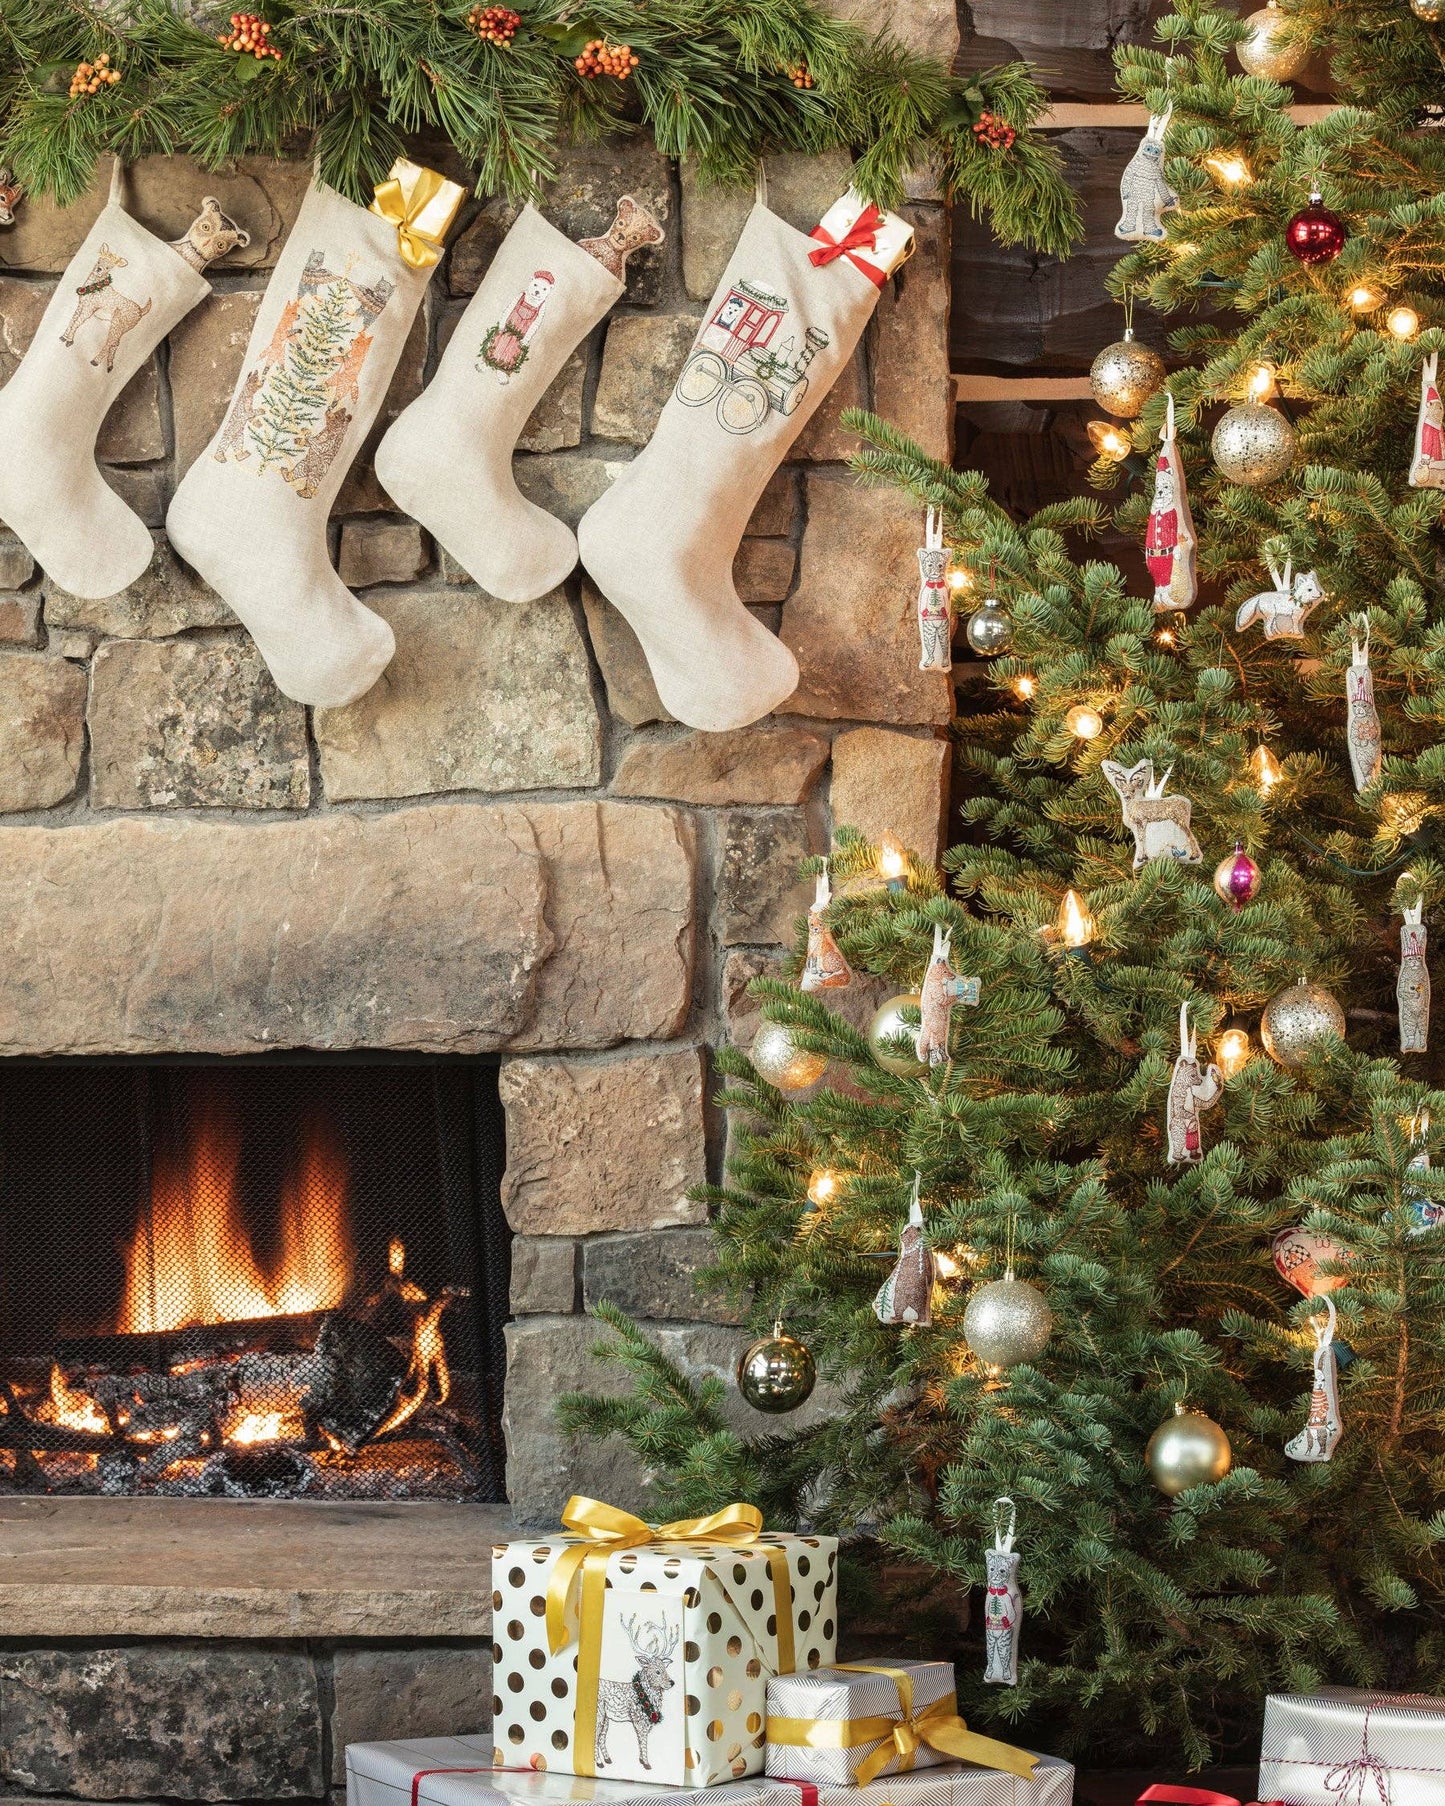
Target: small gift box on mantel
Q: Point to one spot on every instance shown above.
(1345, 1746)
(641, 1652)
(850, 1724)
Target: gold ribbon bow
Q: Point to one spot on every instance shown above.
(605, 1530)
(421, 205)
(937, 1725)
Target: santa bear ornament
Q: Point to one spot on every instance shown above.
(1169, 539)
(1427, 467)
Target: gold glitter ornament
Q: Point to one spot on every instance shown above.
(1431, 11)
(1296, 1023)
(1124, 375)
(1253, 444)
(1188, 1449)
(1267, 51)
(777, 1058)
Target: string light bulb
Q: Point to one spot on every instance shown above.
(1074, 925)
(1108, 441)
(1403, 322)
(1364, 300)
(892, 863)
(1083, 722)
(1267, 770)
(1024, 687)
(945, 1265)
(823, 1187)
(1233, 1052)
(1261, 382)
(1234, 172)
(959, 579)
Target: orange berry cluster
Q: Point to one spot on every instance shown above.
(90, 78)
(601, 58)
(248, 34)
(494, 24)
(800, 77)
(994, 133)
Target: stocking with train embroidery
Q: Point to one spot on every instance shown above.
(448, 460)
(123, 291)
(250, 514)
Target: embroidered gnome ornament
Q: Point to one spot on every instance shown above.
(906, 1297)
(327, 338)
(1362, 722)
(1412, 987)
(1316, 1441)
(935, 612)
(121, 293)
(784, 322)
(824, 968)
(1003, 1607)
(1192, 1088)
(942, 989)
(1169, 541)
(1427, 466)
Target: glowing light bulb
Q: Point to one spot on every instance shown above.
(1404, 322)
(1267, 770)
(1363, 300)
(1024, 687)
(1075, 926)
(1166, 636)
(823, 1187)
(1108, 441)
(945, 1265)
(892, 863)
(1232, 171)
(1233, 1052)
(1083, 722)
(959, 580)
(1261, 382)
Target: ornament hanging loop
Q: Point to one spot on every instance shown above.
(1003, 1539)
(933, 529)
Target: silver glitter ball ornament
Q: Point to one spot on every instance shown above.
(989, 628)
(1431, 11)
(1188, 1449)
(887, 1024)
(776, 1373)
(1266, 51)
(1295, 1024)
(1007, 1321)
(777, 1058)
(1124, 375)
(1253, 444)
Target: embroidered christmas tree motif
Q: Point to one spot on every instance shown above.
(736, 363)
(294, 408)
(508, 344)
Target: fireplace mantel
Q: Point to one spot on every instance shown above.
(258, 1568)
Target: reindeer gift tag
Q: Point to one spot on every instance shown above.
(1169, 540)
(1284, 608)
(644, 1642)
(1192, 1088)
(1412, 988)
(935, 614)
(1159, 823)
(1003, 1605)
(1427, 466)
(1362, 720)
(824, 968)
(1143, 188)
(1316, 1441)
(942, 989)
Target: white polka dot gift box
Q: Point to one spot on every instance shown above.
(642, 1653)
(1343, 1746)
(851, 1724)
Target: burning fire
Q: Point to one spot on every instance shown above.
(192, 1262)
(71, 1408)
(428, 1367)
(260, 1426)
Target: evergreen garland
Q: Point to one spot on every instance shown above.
(713, 82)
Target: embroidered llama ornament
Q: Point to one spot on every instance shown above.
(906, 1297)
(1143, 189)
(1285, 608)
(1192, 1088)
(935, 612)
(942, 989)
(1427, 467)
(1003, 1605)
(1316, 1441)
(1169, 540)
(824, 968)
(1412, 987)
(508, 344)
(1362, 721)
(1160, 824)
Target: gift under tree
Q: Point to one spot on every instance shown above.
(1178, 1395)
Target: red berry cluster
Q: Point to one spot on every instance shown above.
(799, 77)
(494, 24)
(90, 78)
(994, 133)
(248, 34)
(601, 58)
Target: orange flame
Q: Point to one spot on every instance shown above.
(428, 1373)
(71, 1407)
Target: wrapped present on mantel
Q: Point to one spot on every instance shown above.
(861, 1720)
(640, 1652)
(1343, 1746)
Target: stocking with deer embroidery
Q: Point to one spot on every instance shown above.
(123, 291)
(660, 543)
(250, 514)
(448, 459)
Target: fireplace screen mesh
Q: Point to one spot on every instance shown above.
(245, 1278)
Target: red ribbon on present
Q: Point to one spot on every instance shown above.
(1161, 1794)
(807, 1790)
(862, 235)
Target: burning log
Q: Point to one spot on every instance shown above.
(356, 1376)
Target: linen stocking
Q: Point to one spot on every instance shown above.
(660, 543)
(448, 459)
(120, 295)
(250, 514)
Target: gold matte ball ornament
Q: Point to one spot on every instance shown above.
(1188, 1449)
(1267, 51)
(1124, 375)
(1253, 444)
(1296, 1024)
(1007, 1321)
(887, 1025)
(777, 1058)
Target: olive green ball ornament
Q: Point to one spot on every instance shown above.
(1124, 375)
(1296, 1024)
(886, 1025)
(1188, 1449)
(1253, 444)
(1267, 51)
(777, 1058)
(1007, 1321)
(776, 1373)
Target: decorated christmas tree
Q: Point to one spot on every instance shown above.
(1174, 1288)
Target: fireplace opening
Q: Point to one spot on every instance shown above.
(273, 1277)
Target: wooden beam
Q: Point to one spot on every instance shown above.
(1066, 115)
(968, 387)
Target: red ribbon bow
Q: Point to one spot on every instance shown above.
(1161, 1794)
(862, 235)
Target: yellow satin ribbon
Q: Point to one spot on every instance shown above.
(937, 1725)
(605, 1530)
(421, 205)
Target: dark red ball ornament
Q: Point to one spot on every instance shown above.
(1316, 234)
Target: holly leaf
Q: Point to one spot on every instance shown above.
(963, 111)
(571, 40)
